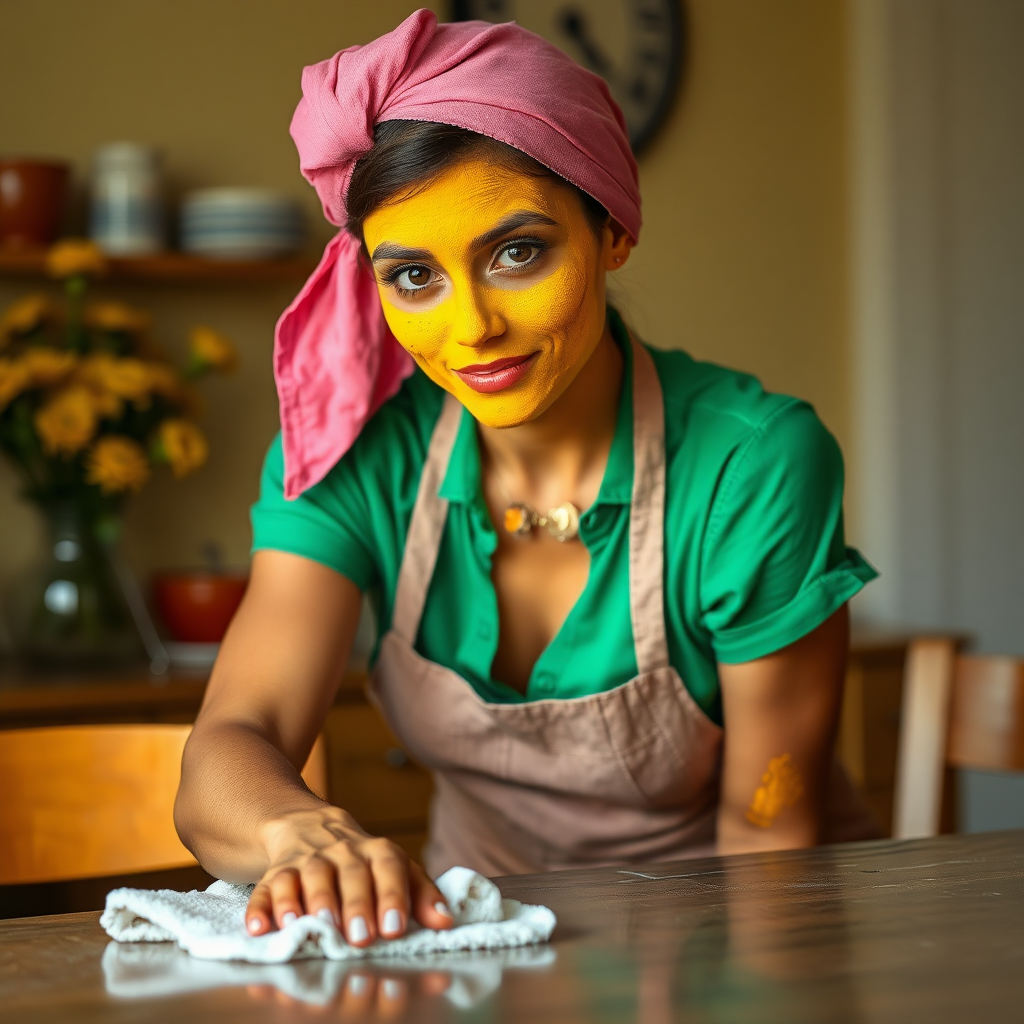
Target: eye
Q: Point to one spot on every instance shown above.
(518, 254)
(412, 279)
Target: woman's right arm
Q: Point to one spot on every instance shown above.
(242, 807)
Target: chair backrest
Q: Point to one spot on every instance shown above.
(959, 711)
(93, 800)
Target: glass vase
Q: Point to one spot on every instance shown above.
(70, 610)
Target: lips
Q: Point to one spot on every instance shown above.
(487, 378)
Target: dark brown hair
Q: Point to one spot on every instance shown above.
(406, 155)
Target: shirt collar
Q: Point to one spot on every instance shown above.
(462, 482)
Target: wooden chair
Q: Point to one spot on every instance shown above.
(959, 711)
(83, 801)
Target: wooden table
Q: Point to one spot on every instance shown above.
(930, 930)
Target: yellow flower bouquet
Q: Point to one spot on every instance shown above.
(88, 410)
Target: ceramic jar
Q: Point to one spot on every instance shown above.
(126, 202)
(33, 196)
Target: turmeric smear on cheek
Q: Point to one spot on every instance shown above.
(781, 787)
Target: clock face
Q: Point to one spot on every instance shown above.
(635, 45)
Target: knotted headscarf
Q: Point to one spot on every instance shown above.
(335, 359)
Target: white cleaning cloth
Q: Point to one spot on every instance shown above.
(211, 924)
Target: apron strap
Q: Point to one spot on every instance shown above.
(423, 540)
(646, 526)
(647, 516)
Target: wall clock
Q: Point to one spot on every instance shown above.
(635, 45)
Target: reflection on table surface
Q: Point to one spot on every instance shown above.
(155, 970)
(925, 930)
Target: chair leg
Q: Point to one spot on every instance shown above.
(924, 726)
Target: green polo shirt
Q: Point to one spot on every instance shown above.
(755, 556)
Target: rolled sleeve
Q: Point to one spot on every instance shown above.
(774, 562)
(322, 524)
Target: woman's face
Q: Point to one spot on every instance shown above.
(493, 281)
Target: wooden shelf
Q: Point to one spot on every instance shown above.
(171, 268)
(37, 698)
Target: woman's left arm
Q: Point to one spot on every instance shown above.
(781, 713)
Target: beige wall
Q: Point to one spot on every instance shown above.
(742, 258)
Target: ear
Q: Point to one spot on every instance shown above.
(617, 245)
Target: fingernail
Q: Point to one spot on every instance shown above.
(254, 925)
(325, 915)
(357, 930)
(289, 917)
(357, 983)
(391, 988)
(392, 921)
(442, 909)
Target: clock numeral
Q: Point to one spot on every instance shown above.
(652, 19)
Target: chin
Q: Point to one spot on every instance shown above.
(504, 410)
(502, 422)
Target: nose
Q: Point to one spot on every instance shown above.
(475, 320)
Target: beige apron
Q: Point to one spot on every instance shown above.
(624, 776)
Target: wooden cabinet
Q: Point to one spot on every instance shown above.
(373, 778)
(369, 773)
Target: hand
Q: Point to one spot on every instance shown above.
(323, 863)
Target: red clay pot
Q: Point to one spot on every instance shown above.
(33, 196)
(196, 607)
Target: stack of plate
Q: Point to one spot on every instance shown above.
(240, 223)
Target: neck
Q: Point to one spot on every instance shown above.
(560, 455)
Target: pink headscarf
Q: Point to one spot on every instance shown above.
(335, 359)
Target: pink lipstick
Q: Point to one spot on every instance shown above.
(487, 378)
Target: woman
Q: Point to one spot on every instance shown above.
(611, 582)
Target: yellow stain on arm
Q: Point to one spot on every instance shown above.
(781, 787)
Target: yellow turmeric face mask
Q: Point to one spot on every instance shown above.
(493, 281)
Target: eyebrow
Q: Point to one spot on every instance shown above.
(512, 222)
(390, 251)
(518, 219)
